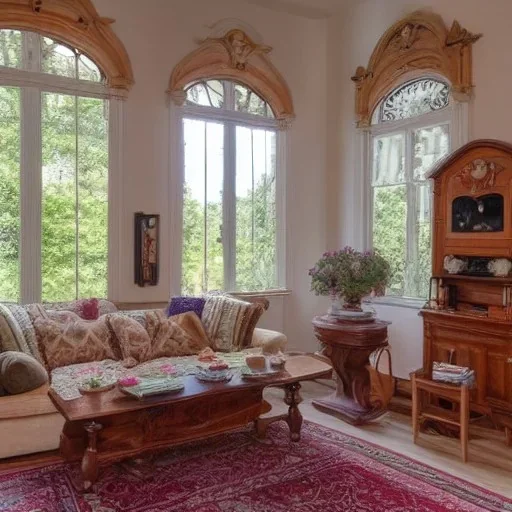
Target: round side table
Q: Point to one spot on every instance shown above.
(349, 345)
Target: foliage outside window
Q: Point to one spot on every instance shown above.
(229, 211)
(74, 171)
(406, 142)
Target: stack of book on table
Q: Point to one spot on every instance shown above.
(453, 374)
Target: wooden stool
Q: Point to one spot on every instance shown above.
(422, 409)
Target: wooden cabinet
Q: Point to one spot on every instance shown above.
(468, 318)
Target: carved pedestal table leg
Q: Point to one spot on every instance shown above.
(293, 417)
(90, 459)
(352, 396)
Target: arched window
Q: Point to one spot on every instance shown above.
(409, 134)
(412, 109)
(230, 162)
(232, 109)
(54, 170)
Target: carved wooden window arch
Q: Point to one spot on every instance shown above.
(420, 41)
(77, 23)
(235, 57)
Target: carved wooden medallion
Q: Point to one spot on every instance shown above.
(479, 174)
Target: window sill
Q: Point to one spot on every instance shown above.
(400, 302)
(264, 293)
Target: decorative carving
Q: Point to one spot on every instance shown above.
(479, 174)
(421, 41)
(406, 37)
(236, 57)
(77, 23)
(459, 35)
(241, 48)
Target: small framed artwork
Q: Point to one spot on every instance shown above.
(147, 243)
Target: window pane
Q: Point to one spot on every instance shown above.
(415, 98)
(430, 145)
(203, 262)
(92, 194)
(256, 264)
(249, 102)
(58, 59)
(87, 70)
(9, 194)
(388, 160)
(59, 197)
(420, 267)
(389, 232)
(207, 94)
(74, 197)
(10, 48)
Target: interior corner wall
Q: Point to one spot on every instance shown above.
(157, 35)
(351, 39)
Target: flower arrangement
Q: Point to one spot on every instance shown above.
(92, 378)
(350, 275)
(129, 381)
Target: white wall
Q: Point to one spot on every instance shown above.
(351, 40)
(157, 35)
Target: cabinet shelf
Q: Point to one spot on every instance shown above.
(480, 279)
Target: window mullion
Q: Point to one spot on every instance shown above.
(411, 243)
(229, 207)
(31, 194)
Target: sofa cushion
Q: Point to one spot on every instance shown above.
(179, 335)
(130, 335)
(20, 373)
(184, 304)
(73, 342)
(11, 333)
(230, 322)
(88, 309)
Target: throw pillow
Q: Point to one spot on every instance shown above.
(15, 338)
(230, 322)
(20, 373)
(184, 304)
(25, 329)
(131, 336)
(80, 341)
(88, 309)
(181, 335)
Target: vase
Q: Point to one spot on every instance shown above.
(335, 307)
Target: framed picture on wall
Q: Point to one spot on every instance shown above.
(147, 243)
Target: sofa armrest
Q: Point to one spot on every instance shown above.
(31, 403)
(270, 342)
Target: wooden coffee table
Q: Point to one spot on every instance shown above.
(105, 427)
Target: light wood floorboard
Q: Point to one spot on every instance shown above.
(490, 461)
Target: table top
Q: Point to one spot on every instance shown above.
(327, 322)
(93, 406)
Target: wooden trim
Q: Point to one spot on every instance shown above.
(418, 42)
(77, 23)
(234, 56)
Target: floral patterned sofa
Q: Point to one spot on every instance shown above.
(29, 422)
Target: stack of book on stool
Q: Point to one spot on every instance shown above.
(453, 374)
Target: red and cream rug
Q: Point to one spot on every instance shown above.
(326, 472)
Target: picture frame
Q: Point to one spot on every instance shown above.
(147, 246)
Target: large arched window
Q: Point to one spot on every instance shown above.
(411, 110)
(54, 163)
(230, 166)
(409, 134)
(232, 108)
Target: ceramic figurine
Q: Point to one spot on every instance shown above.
(454, 265)
(500, 267)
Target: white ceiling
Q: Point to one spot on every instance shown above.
(315, 9)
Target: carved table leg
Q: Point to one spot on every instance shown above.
(90, 459)
(353, 387)
(294, 419)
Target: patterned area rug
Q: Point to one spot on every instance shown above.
(326, 472)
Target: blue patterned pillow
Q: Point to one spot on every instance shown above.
(184, 304)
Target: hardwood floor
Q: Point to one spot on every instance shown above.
(489, 465)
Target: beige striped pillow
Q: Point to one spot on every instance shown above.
(230, 322)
